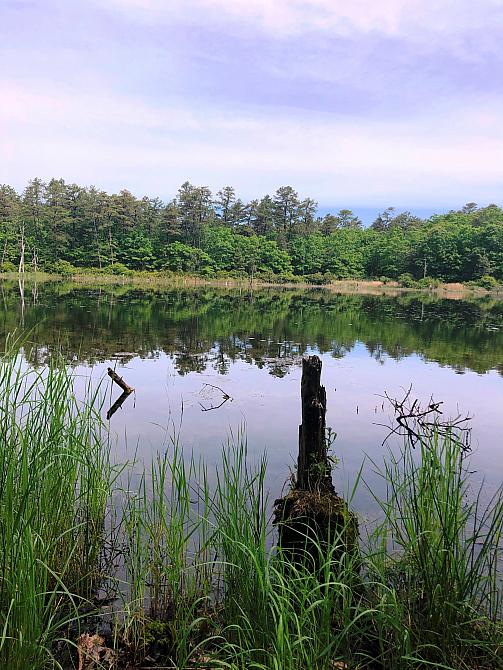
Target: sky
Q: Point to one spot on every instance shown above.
(359, 103)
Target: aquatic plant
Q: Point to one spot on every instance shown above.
(199, 579)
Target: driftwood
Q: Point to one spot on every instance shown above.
(312, 515)
(126, 392)
(119, 381)
(418, 423)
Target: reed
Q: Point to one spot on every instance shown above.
(200, 580)
(54, 482)
(438, 556)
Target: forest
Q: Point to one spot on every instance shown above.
(63, 228)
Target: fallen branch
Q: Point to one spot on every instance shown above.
(225, 395)
(119, 381)
(417, 422)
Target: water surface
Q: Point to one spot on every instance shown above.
(183, 349)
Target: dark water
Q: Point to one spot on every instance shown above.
(175, 346)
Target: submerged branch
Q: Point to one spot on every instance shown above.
(417, 422)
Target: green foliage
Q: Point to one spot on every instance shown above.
(137, 251)
(205, 582)
(184, 258)
(390, 254)
(446, 570)
(318, 278)
(421, 592)
(118, 269)
(7, 266)
(278, 234)
(54, 484)
(487, 282)
(63, 268)
(428, 282)
(345, 254)
(407, 280)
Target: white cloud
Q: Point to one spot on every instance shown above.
(412, 19)
(115, 142)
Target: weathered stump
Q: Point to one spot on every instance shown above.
(312, 516)
(313, 471)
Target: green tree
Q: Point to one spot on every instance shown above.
(347, 219)
(195, 205)
(345, 255)
(286, 211)
(225, 201)
(383, 220)
(136, 251)
(179, 257)
(262, 219)
(170, 225)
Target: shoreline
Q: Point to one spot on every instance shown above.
(449, 290)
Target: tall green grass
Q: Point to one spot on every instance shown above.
(200, 580)
(423, 591)
(54, 485)
(438, 556)
(166, 562)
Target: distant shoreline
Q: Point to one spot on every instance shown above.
(344, 286)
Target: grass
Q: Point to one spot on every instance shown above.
(54, 485)
(198, 578)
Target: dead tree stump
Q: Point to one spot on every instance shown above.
(312, 516)
(313, 471)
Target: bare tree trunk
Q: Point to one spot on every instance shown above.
(21, 257)
(21, 295)
(34, 261)
(112, 260)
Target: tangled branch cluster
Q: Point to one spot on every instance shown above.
(418, 423)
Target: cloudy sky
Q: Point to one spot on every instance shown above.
(357, 103)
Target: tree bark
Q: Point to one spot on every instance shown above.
(313, 470)
(312, 515)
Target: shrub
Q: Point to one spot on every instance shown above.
(91, 271)
(407, 280)
(318, 278)
(118, 269)
(487, 282)
(428, 282)
(61, 267)
(7, 266)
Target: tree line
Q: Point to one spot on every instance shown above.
(57, 226)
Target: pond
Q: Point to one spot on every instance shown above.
(208, 362)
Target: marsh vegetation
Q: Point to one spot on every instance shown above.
(176, 565)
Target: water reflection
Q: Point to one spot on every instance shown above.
(185, 350)
(267, 328)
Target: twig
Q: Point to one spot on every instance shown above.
(417, 423)
(225, 398)
(225, 395)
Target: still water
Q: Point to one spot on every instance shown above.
(185, 350)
